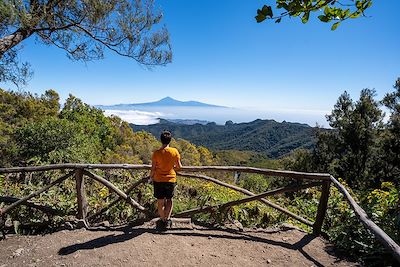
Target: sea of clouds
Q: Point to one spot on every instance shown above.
(136, 116)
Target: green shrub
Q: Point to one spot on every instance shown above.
(346, 231)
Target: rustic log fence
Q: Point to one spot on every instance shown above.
(82, 171)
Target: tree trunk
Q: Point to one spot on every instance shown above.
(9, 41)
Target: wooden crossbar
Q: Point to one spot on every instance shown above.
(268, 172)
(38, 192)
(245, 200)
(119, 192)
(119, 198)
(46, 209)
(249, 193)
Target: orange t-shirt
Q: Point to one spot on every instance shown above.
(165, 159)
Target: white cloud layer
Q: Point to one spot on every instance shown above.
(136, 116)
(220, 115)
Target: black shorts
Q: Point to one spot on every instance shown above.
(164, 190)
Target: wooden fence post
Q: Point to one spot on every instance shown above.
(323, 203)
(81, 196)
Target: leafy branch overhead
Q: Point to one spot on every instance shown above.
(328, 10)
(84, 29)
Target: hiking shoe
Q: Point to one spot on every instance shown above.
(161, 225)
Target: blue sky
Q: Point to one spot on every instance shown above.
(222, 56)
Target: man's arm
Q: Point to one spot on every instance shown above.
(178, 164)
(153, 169)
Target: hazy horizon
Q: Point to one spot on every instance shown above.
(146, 116)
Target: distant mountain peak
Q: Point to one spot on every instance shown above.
(167, 100)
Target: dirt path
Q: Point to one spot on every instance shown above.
(180, 246)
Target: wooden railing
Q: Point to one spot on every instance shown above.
(80, 171)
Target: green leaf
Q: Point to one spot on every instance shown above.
(267, 11)
(263, 13)
(260, 18)
(296, 14)
(305, 17)
(327, 10)
(335, 25)
(345, 13)
(323, 18)
(355, 15)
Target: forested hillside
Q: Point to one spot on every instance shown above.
(268, 137)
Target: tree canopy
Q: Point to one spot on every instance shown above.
(329, 10)
(362, 148)
(83, 29)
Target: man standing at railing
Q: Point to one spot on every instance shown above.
(165, 161)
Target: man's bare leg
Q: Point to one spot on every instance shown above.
(168, 208)
(161, 208)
